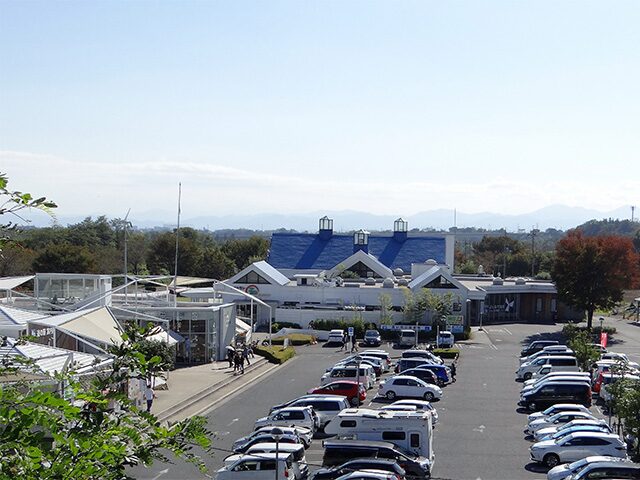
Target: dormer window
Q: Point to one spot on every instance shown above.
(361, 237)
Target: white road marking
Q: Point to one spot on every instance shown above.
(233, 421)
(479, 428)
(507, 330)
(494, 347)
(161, 473)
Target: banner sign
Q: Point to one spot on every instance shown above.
(603, 339)
(456, 328)
(421, 328)
(454, 320)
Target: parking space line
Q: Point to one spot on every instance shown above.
(507, 330)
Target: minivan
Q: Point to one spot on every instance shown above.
(559, 392)
(407, 338)
(326, 407)
(546, 352)
(445, 339)
(558, 362)
(337, 452)
(257, 467)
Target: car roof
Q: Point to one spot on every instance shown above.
(266, 455)
(305, 407)
(281, 446)
(594, 434)
(395, 377)
(379, 461)
(320, 396)
(350, 382)
(357, 443)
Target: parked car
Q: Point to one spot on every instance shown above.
(325, 406)
(243, 444)
(608, 469)
(561, 472)
(545, 432)
(536, 346)
(337, 452)
(423, 374)
(288, 416)
(359, 464)
(576, 446)
(347, 388)
(369, 475)
(403, 386)
(610, 378)
(415, 353)
(375, 363)
(407, 338)
(381, 354)
(563, 432)
(553, 393)
(560, 379)
(300, 435)
(445, 339)
(560, 407)
(336, 336)
(546, 351)
(258, 467)
(372, 338)
(547, 372)
(558, 362)
(556, 420)
(442, 372)
(347, 373)
(299, 464)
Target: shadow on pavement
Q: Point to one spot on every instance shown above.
(544, 336)
(522, 410)
(535, 467)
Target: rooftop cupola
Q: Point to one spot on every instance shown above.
(325, 230)
(361, 241)
(400, 229)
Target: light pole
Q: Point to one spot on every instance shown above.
(358, 359)
(601, 323)
(277, 433)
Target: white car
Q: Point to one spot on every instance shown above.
(300, 467)
(566, 469)
(350, 373)
(576, 446)
(550, 350)
(608, 379)
(557, 420)
(289, 416)
(620, 357)
(550, 374)
(369, 475)
(336, 336)
(257, 467)
(546, 432)
(559, 407)
(562, 432)
(609, 469)
(405, 386)
(421, 406)
(305, 435)
(567, 379)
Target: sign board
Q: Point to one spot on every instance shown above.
(350, 331)
(456, 328)
(421, 328)
(454, 320)
(603, 339)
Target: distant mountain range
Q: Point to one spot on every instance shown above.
(560, 217)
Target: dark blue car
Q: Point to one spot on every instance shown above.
(443, 373)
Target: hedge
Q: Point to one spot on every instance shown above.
(275, 354)
(277, 326)
(446, 352)
(294, 339)
(570, 330)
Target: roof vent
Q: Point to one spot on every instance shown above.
(520, 281)
(431, 262)
(498, 281)
(369, 281)
(361, 241)
(388, 283)
(398, 272)
(325, 228)
(400, 229)
(403, 282)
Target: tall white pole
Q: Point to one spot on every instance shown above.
(126, 266)
(175, 271)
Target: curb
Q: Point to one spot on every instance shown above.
(175, 409)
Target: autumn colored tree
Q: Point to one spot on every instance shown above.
(593, 272)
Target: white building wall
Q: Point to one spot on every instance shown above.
(304, 316)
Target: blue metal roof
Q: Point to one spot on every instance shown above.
(308, 250)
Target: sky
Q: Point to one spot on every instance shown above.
(388, 107)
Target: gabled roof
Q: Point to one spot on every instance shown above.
(17, 316)
(49, 359)
(432, 274)
(309, 251)
(263, 269)
(366, 258)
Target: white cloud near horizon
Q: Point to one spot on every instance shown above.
(90, 188)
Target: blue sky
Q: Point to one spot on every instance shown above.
(386, 107)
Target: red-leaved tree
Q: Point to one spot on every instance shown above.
(593, 272)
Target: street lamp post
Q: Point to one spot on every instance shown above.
(277, 433)
(358, 359)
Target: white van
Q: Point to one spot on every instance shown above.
(336, 336)
(350, 373)
(407, 338)
(550, 370)
(257, 467)
(410, 431)
(558, 362)
(326, 406)
(299, 461)
(445, 339)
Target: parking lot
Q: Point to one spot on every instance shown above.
(479, 435)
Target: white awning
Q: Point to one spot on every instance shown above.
(9, 283)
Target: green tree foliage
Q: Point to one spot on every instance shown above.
(215, 264)
(244, 252)
(586, 354)
(386, 318)
(96, 434)
(65, 258)
(161, 253)
(591, 272)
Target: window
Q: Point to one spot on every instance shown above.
(362, 271)
(247, 466)
(415, 440)
(348, 423)
(393, 436)
(296, 416)
(401, 381)
(595, 441)
(252, 277)
(440, 282)
(268, 465)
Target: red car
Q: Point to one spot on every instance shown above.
(346, 388)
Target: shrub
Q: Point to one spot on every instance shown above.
(570, 330)
(288, 325)
(275, 354)
(447, 352)
(294, 339)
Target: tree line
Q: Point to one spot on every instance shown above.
(97, 246)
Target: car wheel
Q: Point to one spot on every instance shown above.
(531, 406)
(527, 376)
(551, 460)
(390, 395)
(428, 396)
(354, 401)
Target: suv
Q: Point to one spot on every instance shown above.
(417, 354)
(302, 416)
(536, 346)
(423, 374)
(257, 467)
(372, 338)
(359, 464)
(546, 395)
(326, 407)
(335, 336)
(336, 452)
(299, 435)
(576, 446)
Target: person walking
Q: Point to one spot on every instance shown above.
(245, 355)
(453, 372)
(236, 362)
(345, 340)
(242, 359)
(149, 395)
(230, 352)
(354, 344)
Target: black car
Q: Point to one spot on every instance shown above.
(372, 338)
(556, 392)
(359, 464)
(423, 374)
(536, 346)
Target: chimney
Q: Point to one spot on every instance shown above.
(361, 241)
(325, 230)
(400, 229)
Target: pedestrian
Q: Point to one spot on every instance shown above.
(354, 344)
(453, 372)
(241, 360)
(345, 340)
(230, 352)
(245, 355)
(149, 395)
(236, 362)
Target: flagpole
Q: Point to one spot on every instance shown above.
(175, 271)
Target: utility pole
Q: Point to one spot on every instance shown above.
(633, 209)
(533, 234)
(175, 272)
